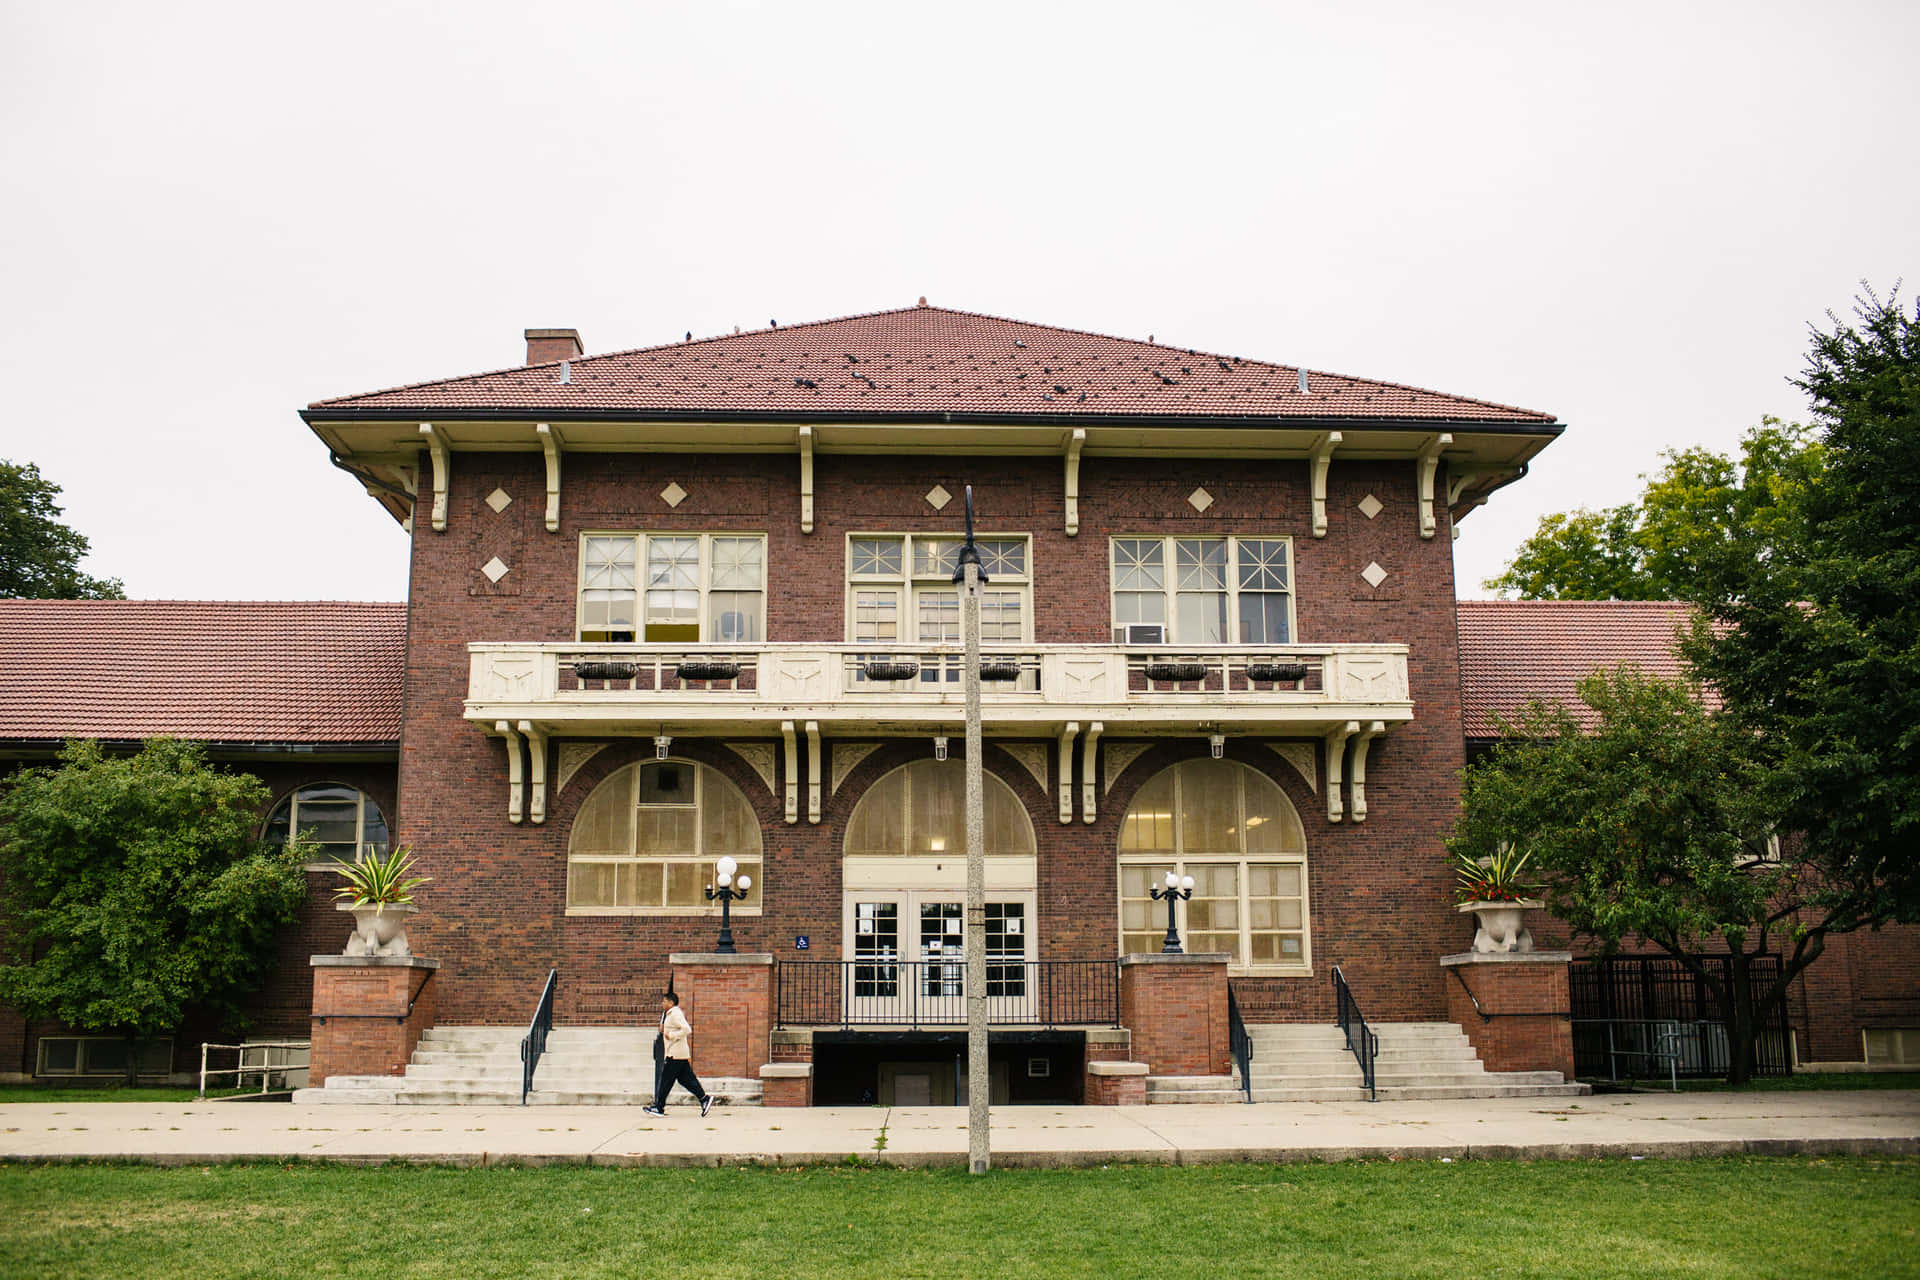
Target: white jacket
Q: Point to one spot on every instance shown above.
(676, 1031)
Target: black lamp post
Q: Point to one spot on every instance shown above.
(1179, 888)
(728, 894)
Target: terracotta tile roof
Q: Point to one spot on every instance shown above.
(1517, 651)
(220, 671)
(927, 360)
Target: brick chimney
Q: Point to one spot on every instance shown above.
(544, 346)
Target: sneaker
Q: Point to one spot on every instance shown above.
(653, 1111)
(706, 1105)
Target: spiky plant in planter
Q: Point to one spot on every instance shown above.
(1491, 886)
(379, 891)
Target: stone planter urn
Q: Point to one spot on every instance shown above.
(1500, 925)
(379, 928)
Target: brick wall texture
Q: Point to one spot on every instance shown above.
(367, 1019)
(1177, 1014)
(1528, 1030)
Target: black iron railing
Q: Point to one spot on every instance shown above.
(1651, 1015)
(1240, 1043)
(933, 993)
(1360, 1038)
(535, 1042)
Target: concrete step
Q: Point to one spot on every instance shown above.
(1427, 1093)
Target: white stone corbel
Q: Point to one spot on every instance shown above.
(1067, 736)
(1357, 783)
(1075, 443)
(806, 479)
(1089, 752)
(813, 771)
(793, 773)
(536, 770)
(1336, 764)
(550, 443)
(437, 448)
(1322, 455)
(516, 788)
(1428, 463)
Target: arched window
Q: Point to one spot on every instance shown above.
(919, 810)
(341, 823)
(1233, 830)
(647, 839)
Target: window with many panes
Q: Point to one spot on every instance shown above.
(900, 589)
(1202, 591)
(1234, 831)
(339, 823)
(673, 588)
(647, 839)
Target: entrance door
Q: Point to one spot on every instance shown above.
(926, 928)
(878, 989)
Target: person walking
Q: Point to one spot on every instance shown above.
(673, 1057)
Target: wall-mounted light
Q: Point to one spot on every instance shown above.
(940, 748)
(661, 745)
(1217, 742)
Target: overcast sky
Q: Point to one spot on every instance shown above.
(1624, 214)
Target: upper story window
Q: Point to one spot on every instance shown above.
(900, 589)
(1202, 591)
(674, 588)
(340, 823)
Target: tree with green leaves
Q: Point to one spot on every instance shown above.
(1652, 823)
(135, 888)
(1821, 656)
(1700, 513)
(39, 556)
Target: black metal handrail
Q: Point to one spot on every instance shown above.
(535, 1042)
(1239, 1043)
(1360, 1038)
(887, 992)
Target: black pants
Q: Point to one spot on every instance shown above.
(677, 1071)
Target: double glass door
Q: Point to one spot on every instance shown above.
(908, 957)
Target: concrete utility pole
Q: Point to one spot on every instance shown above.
(979, 1082)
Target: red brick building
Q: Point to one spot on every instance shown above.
(691, 602)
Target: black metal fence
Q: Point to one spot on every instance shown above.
(1651, 1016)
(933, 993)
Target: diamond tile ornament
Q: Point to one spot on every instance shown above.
(495, 569)
(1371, 506)
(1200, 499)
(938, 497)
(673, 495)
(1373, 573)
(499, 500)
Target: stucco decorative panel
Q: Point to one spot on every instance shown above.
(573, 755)
(1119, 756)
(1302, 758)
(1032, 756)
(760, 755)
(846, 757)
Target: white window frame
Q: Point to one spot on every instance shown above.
(696, 911)
(911, 585)
(1239, 966)
(1170, 587)
(640, 539)
(80, 1058)
(360, 843)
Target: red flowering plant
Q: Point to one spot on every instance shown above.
(1493, 877)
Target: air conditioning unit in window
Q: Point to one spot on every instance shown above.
(1146, 633)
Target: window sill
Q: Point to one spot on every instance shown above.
(685, 913)
(1269, 971)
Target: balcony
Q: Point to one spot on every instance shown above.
(1297, 690)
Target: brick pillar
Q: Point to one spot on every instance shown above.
(787, 1081)
(368, 1014)
(729, 1001)
(1176, 1009)
(1522, 1022)
(1112, 1078)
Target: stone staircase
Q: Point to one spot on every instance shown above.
(480, 1066)
(1310, 1062)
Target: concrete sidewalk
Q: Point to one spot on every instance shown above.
(1619, 1125)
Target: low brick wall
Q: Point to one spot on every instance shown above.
(1525, 994)
(786, 1084)
(1176, 1009)
(729, 1002)
(1116, 1084)
(368, 1014)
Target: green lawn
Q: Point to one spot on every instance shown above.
(1741, 1217)
(1805, 1080)
(106, 1093)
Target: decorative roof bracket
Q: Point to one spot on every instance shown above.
(1067, 736)
(813, 771)
(1075, 443)
(516, 787)
(1336, 764)
(1358, 779)
(1322, 455)
(793, 773)
(437, 446)
(537, 770)
(1427, 464)
(1089, 752)
(806, 479)
(550, 443)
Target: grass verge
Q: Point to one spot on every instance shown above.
(1737, 1217)
(1803, 1082)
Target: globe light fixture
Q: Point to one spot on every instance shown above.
(729, 891)
(1179, 888)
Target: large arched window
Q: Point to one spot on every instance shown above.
(647, 839)
(340, 823)
(1233, 830)
(919, 810)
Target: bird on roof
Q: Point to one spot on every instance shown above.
(1020, 344)
(689, 337)
(773, 324)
